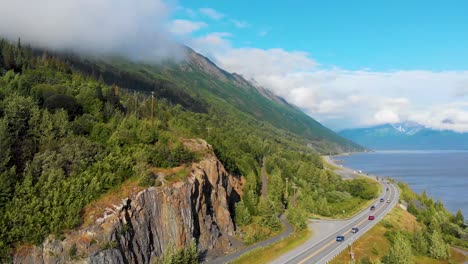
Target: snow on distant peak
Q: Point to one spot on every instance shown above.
(409, 128)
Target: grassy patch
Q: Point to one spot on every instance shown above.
(349, 208)
(255, 232)
(373, 245)
(179, 175)
(268, 253)
(456, 257)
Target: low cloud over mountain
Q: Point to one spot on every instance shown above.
(137, 29)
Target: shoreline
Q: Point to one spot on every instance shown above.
(347, 172)
(411, 173)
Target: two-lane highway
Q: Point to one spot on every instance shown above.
(326, 249)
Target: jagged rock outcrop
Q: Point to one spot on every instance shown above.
(144, 225)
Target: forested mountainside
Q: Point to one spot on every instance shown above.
(75, 130)
(197, 83)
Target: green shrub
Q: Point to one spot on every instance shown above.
(298, 218)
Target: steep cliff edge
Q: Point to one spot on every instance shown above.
(143, 226)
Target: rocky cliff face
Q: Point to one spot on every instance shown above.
(144, 225)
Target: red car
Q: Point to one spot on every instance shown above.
(371, 217)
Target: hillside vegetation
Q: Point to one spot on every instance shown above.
(423, 234)
(74, 128)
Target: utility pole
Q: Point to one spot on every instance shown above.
(294, 197)
(152, 109)
(136, 105)
(351, 253)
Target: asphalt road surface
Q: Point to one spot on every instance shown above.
(324, 247)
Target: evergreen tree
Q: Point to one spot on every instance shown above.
(438, 248)
(399, 252)
(267, 212)
(276, 189)
(412, 208)
(298, 218)
(243, 216)
(459, 219)
(322, 206)
(420, 243)
(5, 145)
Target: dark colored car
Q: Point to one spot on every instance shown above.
(372, 208)
(381, 200)
(387, 188)
(371, 217)
(340, 238)
(354, 230)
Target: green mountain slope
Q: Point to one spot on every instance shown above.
(196, 83)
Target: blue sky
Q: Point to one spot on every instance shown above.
(377, 35)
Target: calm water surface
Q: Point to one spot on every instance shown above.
(443, 174)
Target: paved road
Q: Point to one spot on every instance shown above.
(324, 247)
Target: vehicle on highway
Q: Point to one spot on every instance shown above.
(381, 200)
(340, 238)
(354, 230)
(372, 208)
(387, 188)
(371, 217)
(388, 200)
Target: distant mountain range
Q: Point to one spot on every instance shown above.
(408, 136)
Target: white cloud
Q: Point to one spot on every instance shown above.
(257, 62)
(136, 28)
(213, 43)
(211, 13)
(452, 116)
(386, 116)
(184, 27)
(342, 98)
(239, 24)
